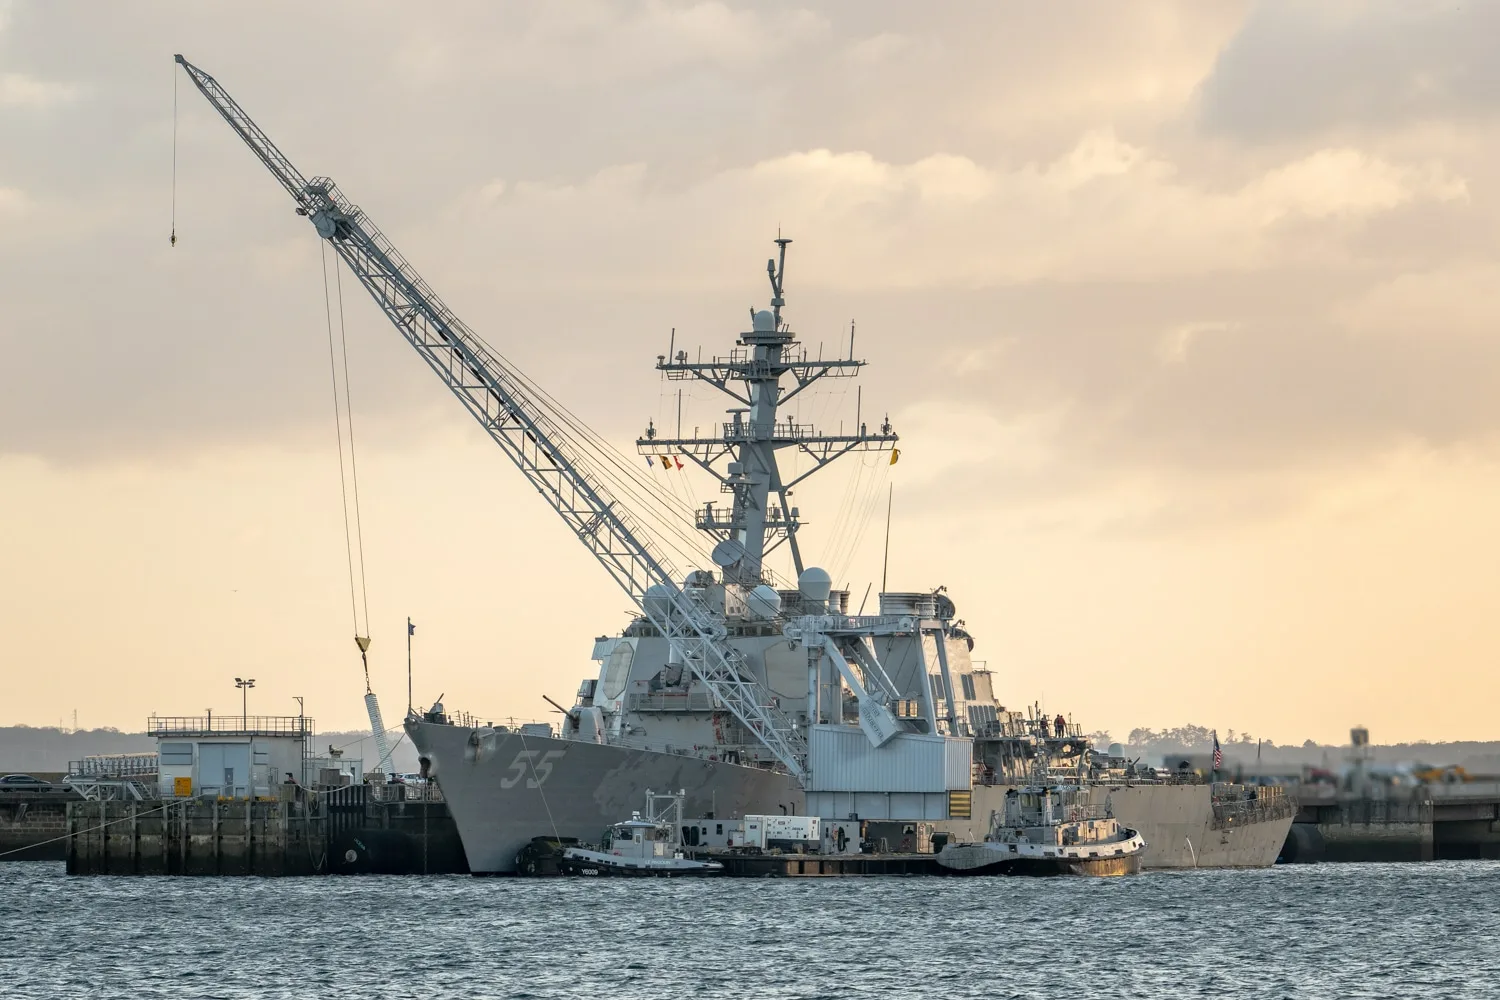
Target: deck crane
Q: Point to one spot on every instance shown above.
(498, 398)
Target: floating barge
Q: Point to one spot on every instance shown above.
(826, 865)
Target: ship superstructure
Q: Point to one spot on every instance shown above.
(904, 670)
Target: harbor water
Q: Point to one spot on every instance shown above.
(1347, 931)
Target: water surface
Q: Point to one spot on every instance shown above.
(1337, 931)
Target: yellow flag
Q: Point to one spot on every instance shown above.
(895, 455)
(666, 463)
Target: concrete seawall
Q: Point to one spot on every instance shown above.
(33, 829)
(1426, 823)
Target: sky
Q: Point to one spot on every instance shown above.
(1184, 312)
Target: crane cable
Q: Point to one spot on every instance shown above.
(355, 538)
(173, 240)
(359, 531)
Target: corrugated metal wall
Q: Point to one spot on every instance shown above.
(843, 760)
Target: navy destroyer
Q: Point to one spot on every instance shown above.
(751, 694)
(647, 720)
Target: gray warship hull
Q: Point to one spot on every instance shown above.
(1184, 829)
(505, 789)
(1180, 824)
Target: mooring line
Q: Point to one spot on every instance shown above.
(93, 829)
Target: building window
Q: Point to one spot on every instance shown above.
(968, 683)
(175, 754)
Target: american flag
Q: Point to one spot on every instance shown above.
(1218, 754)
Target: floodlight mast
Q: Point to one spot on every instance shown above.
(495, 394)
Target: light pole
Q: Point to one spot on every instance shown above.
(245, 684)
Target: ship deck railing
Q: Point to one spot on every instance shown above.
(750, 751)
(1244, 812)
(395, 791)
(1026, 730)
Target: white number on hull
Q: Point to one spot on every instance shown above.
(526, 762)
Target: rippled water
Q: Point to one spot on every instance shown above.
(1429, 930)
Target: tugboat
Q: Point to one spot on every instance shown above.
(640, 847)
(1049, 830)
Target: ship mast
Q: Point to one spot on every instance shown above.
(743, 456)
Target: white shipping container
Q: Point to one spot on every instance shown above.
(798, 828)
(752, 832)
(716, 834)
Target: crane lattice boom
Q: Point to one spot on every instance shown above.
(494, 393)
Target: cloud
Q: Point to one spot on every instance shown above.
(579, 44)
(17, 90)
(1103, 209)
(1021, 190)
(1176, 342)
(1021, 446)
(1347, 182)
(1428, 306)
(1300, 68)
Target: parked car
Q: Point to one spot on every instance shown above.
(24, 783)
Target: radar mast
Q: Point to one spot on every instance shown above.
(743, 456)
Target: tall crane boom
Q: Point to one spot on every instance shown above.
(495, 394)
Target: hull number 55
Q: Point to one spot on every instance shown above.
(533, 765)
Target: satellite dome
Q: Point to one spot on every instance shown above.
(763, 602)
(728, 552)
(815, 583)
(765, 322)
(657, 600)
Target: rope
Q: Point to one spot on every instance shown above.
(391, 753)
(863, 520)
(530, 760)
(338, 426)
(631, 485)
(92, 829)
(173, 241)
(393, 729)
(359, 531)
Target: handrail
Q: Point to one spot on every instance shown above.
(187, 725)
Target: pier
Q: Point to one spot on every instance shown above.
(397, 829)
(1430, 822)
